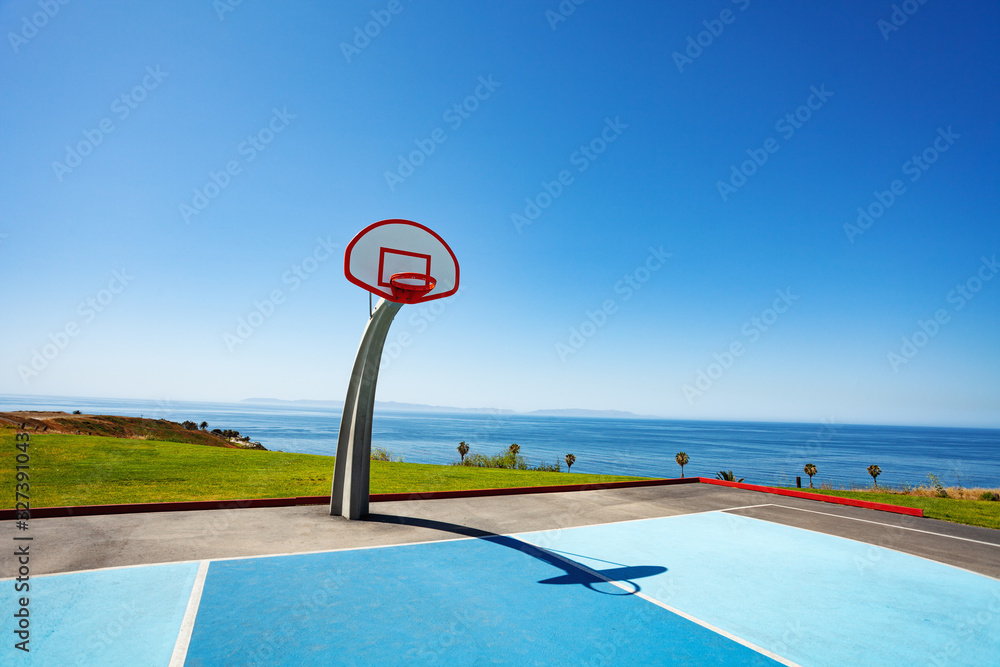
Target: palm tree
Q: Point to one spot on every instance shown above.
(570, 460)
(728, 476)
(874, 471)
(463, 449)
(204, 426)
(682, 460)
(511, 456)
(810, 470)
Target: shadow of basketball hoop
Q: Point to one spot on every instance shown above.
(574, 573)
(612, 576)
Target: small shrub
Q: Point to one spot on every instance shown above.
(383, 454)
(476, 460)
(728, 476)
(939, 489)
(76, 412)
(989, 495)
(510, 461)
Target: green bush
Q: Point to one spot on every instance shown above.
(508, 459)
(505, 460)
(383, 454)
(989, 495)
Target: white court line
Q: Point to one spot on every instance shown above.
(187, 625)
(879, 523)
(673, 610)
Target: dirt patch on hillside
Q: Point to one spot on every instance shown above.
(109, 426)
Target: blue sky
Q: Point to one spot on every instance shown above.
(168, 169)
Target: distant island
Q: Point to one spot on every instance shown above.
(607, 414)
(393, 406)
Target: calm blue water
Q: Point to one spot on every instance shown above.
(765, 453)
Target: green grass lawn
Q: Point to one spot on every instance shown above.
(972, 512)
(93, 470)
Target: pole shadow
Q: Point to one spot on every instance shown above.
(574, 573)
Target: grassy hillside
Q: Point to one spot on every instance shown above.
(95, 470)
(112, 426)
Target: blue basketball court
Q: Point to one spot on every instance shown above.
(710, 588)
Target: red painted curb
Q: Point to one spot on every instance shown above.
(135, 508)
(837, 500)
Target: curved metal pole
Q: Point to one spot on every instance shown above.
(349, 496)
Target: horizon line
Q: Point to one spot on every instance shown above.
(483, 410)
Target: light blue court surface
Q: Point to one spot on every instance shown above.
(127, 616)
(701, 589)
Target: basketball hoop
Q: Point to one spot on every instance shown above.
(402, 262)
(410, 287)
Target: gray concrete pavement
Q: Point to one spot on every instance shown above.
(82, 543)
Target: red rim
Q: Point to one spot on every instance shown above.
(407, 292)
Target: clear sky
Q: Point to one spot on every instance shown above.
(655, 205)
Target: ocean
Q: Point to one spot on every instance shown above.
(762, 453)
